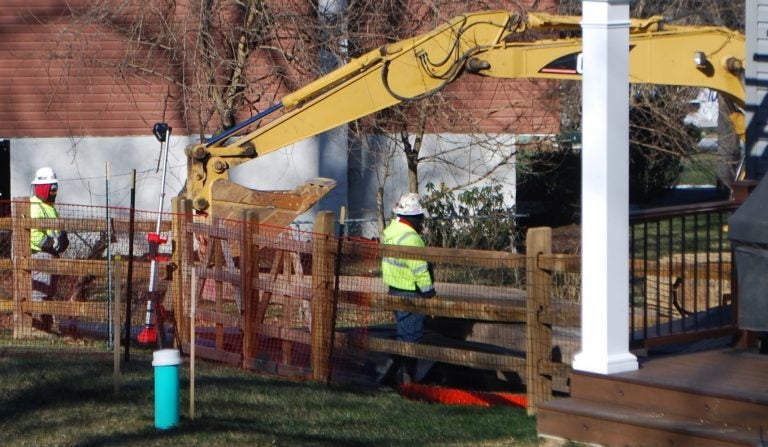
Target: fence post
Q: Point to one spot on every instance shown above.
(322, 296)
(538, 327)
(216, 244)
(183, 258)
(116, 321)
(249, 272)
(22, 276)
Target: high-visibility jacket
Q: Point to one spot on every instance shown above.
(405, 274)
(40, 209)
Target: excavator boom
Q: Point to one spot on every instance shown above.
(488, 43)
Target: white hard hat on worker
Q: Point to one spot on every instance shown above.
(45, 176)
(45, 185)
(409, 205)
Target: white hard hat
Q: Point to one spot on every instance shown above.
(44, 176)
(409, 205)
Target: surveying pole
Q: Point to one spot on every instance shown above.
(155, 333)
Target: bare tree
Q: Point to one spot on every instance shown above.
(405, 128)
(216, 62)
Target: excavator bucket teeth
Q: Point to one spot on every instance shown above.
(275, 208)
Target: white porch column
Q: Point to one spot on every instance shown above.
(605, 190)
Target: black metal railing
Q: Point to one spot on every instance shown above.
(681, 276)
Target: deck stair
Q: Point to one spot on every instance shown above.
(705, 399)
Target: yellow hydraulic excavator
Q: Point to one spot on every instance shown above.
(486, 43)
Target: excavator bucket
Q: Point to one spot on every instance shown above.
(275, 208)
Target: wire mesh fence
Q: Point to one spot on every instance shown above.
(66, 300)
(316, 307)
(294, 303)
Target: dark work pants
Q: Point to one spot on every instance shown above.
(410, 325)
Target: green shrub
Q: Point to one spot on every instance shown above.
(475, 218)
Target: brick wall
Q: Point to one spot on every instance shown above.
(58, 77)
(62, 74)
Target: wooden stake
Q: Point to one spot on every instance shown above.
(192, 306)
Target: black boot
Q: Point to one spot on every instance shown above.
(388, 374)
(407, 373)
(763, 343)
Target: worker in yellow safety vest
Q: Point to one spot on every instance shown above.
(49, 243)
(407, 278)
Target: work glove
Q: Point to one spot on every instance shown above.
(48, 245)
(428, 294)
(55, 245)
(62, 243)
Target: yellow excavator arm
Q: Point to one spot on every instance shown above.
(484, 43)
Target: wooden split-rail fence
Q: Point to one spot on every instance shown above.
(270, 271)
(302, 275)
(18, 298)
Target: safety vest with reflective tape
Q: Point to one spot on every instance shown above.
(40, 209)
(404, 274)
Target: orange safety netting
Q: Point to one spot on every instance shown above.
(456, 396)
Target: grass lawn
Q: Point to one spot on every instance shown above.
(50, 400)
(700, 169)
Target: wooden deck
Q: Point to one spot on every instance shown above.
(727, 372)
(717, 397)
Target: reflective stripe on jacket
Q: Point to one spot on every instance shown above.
(40, 209)
(405, 274)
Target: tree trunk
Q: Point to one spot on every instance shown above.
(412, 151)
(380, 221)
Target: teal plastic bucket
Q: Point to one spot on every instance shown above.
(166, 363)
